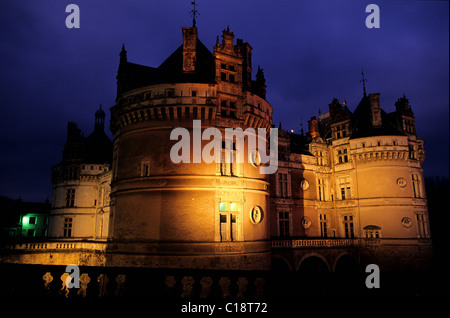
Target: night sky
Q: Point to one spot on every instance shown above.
(311, 52)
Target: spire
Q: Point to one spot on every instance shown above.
(123, 54)
(99, 119)
(194, 13)
(364, 83)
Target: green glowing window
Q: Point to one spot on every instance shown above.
(233, 207)
(223, 207)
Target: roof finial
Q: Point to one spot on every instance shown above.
(194, 13)
(301, 125)
(364, 82)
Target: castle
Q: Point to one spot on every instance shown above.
(350, 190)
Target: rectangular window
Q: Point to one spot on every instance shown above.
(421, 223)
(32, 220)
(228, 221)
(283, 223)
(342, 155)
(67, 227)
(70, 198)
(320, 160)
(282, 184)
(194, 93)
(416, 186)
(228, 164)
(223, 228)
(323, 225)
(348, 226)
(223, 76)
(231, 78)
(321, 189)
(31, 232)
(344, 185)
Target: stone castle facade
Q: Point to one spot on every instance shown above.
(350, 188)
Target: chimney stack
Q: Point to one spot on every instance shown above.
(313, 126)
(189, 45)
(375, 110)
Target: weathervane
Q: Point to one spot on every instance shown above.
(194, 13)
(364, 82)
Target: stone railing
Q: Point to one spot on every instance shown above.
(57, 245)
(312, 243)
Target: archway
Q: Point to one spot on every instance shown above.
(347, 276)
(313, 275)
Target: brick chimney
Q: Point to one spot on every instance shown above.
(313, 126)
(189, 45)
(375, 110)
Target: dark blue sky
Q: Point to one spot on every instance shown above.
(311, 52)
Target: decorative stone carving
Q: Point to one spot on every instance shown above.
(224, 284)
(120, 280)
(206, 283)
(306, 222)
(188, 286)
(84, 281)
(48, 278)
(256, 215)
(102, 280)
(401, 182)
(242, 283)
(304, 184)
(406, 222)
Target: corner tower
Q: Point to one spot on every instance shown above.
(197, 214)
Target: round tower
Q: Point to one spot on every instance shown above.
(193, 213)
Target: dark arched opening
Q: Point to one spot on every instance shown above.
(312, 277)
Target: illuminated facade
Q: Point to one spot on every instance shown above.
(354, 182)
(351, 187)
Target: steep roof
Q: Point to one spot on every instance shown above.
(98, 148)
(362, 123)
(171, 70)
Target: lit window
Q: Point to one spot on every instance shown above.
(228, 222)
